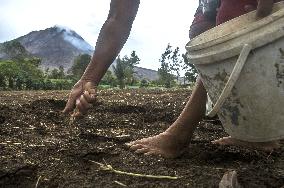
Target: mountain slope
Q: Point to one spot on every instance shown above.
(13, 50)
(143, 73)
(55, 46)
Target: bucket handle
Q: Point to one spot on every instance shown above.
(232, 79)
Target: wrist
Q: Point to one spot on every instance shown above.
(90, 76)
(85, 84)
(85, 79)
(94, 71)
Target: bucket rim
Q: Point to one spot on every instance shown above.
(199, 43)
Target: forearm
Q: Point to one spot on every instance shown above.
(112, 37)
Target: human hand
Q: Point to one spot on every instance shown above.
(81, 98)
(264, 8)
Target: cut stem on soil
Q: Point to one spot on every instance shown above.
(119, 183)
(37, 181)
(106, 167)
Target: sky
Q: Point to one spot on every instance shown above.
(157, 23)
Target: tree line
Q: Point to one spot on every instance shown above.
(25, 73)
(172, 63)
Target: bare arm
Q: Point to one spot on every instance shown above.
(112, 37)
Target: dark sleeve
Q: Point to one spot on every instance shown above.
(200, 24)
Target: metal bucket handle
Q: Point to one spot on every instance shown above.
(232, 79)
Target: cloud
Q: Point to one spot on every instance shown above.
(157, 23)
(6, 32)
(72, 37)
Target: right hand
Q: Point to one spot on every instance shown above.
(81, 98)
(263, 8)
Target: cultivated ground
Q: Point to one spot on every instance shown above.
(40, 147)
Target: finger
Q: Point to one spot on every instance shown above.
(84, 102)
(88, 97)
(75, 93)
(82, 109)
(264, 8)
(142, 150)
(69, 105)
(92, 93)
(77, 114)
(136, 147)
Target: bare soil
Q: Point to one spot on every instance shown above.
(41, 147)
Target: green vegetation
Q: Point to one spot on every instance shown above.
(124, 69)
(80, 64)
(144, 83)
(166, 76)
(191, 72)
(171, 64)
(20, 74)
(14, 50)
(23, 72)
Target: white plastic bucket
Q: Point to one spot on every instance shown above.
(241, 64)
